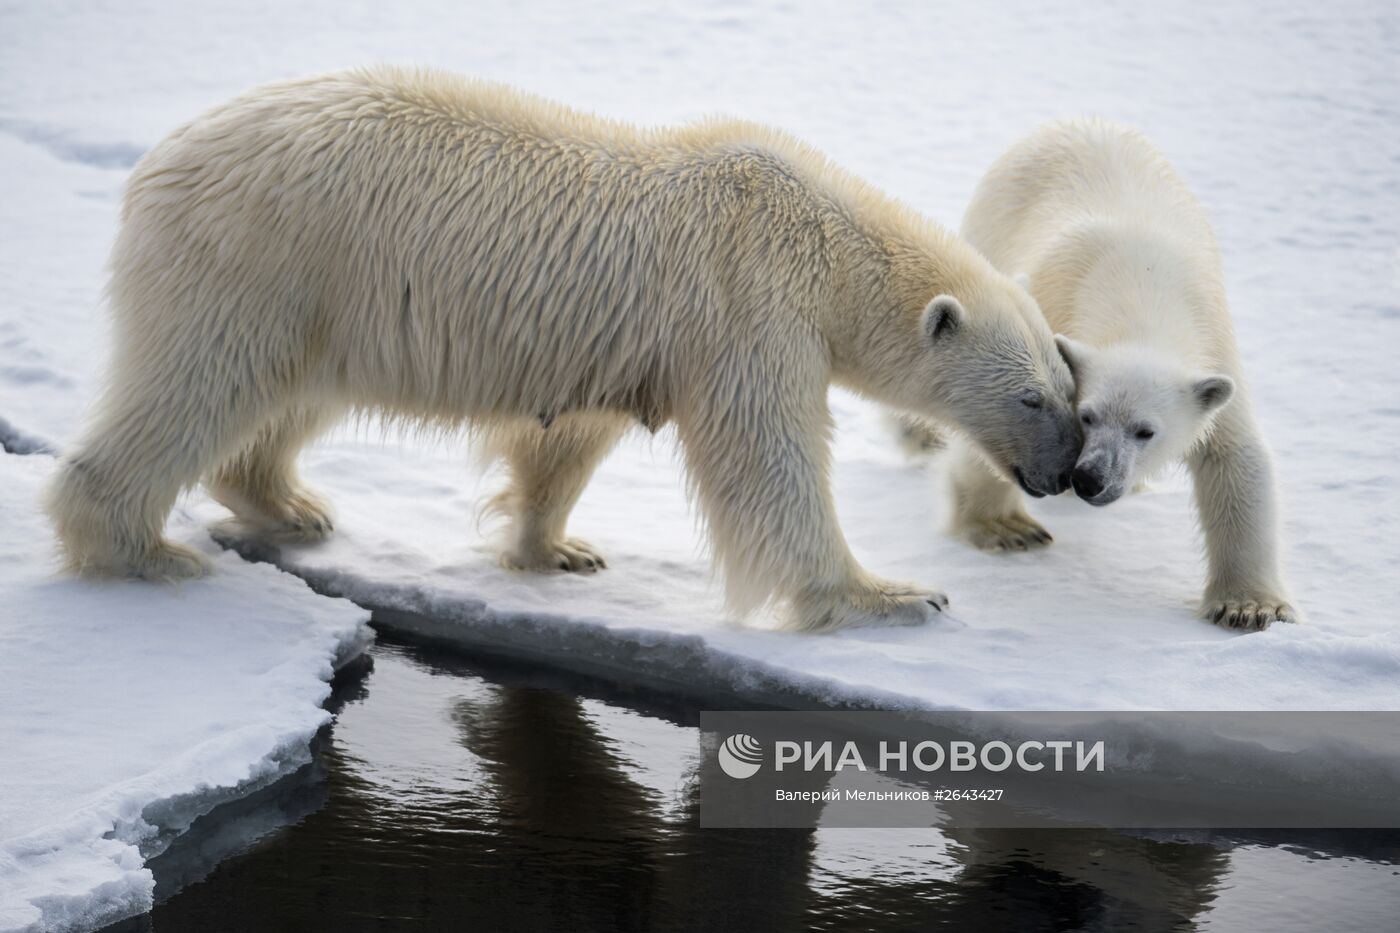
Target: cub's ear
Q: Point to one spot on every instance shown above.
(1023, 280)
(1213, 392)
(1074, 353)
(943, 315)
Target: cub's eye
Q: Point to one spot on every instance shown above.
(1034, 402)
(1145, 434)
(1087, 418)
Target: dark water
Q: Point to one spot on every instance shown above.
(459, 794)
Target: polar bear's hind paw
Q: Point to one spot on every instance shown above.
(296, 515)
(168, 562)
(303, 516)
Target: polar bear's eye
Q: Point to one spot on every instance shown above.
(1145, 434)
(1033, 401)
(1087, 418)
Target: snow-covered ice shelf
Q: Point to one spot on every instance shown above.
(1103, 619)
(127, 710)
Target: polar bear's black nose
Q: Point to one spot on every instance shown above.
(1062, 483)
(1086, 484)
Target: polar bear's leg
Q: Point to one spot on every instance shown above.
(759, 464)
(1234, 486)
(162, 423)
(549, 468)
(919, 438)
(261, 486)
(988, 511)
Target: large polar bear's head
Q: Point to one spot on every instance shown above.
(988, 364)
(1138, 414)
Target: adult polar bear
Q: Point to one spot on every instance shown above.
(452, 252)
(1122, 260)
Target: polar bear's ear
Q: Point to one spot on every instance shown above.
(1213, 391)
(1075, 355)
(943, 315)
(1023, 280)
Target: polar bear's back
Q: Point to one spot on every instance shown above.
(1113, 241)
(376, 220)
(334, 160)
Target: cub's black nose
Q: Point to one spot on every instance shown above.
(1086, 484)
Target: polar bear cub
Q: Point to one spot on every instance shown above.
(1125, 268)
(448, 252)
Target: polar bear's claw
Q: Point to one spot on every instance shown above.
(568, 556)
(1250, 615)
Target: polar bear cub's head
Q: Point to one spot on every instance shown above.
(993, 371)
(1138, 414)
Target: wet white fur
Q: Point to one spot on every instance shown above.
(452, 253)
(1123, 262)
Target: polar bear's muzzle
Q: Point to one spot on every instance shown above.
(1097, 479)
(1060, 484)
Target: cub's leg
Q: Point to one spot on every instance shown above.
(549, 468)
(988, 511)
(1234, 487)
(261, 486)
(757, 457)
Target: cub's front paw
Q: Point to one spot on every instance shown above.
(568, 556)
(1004, 533)
(877, 603)
(1251, 613)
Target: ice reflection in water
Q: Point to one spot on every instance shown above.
(460, 795)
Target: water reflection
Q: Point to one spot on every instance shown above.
(459, 795)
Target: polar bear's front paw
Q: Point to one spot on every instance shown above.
(568, 556)
(1005, 533)
(877, 603)
(1249, 613)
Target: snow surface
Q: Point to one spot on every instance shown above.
(127, 710)
(1285, 120)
